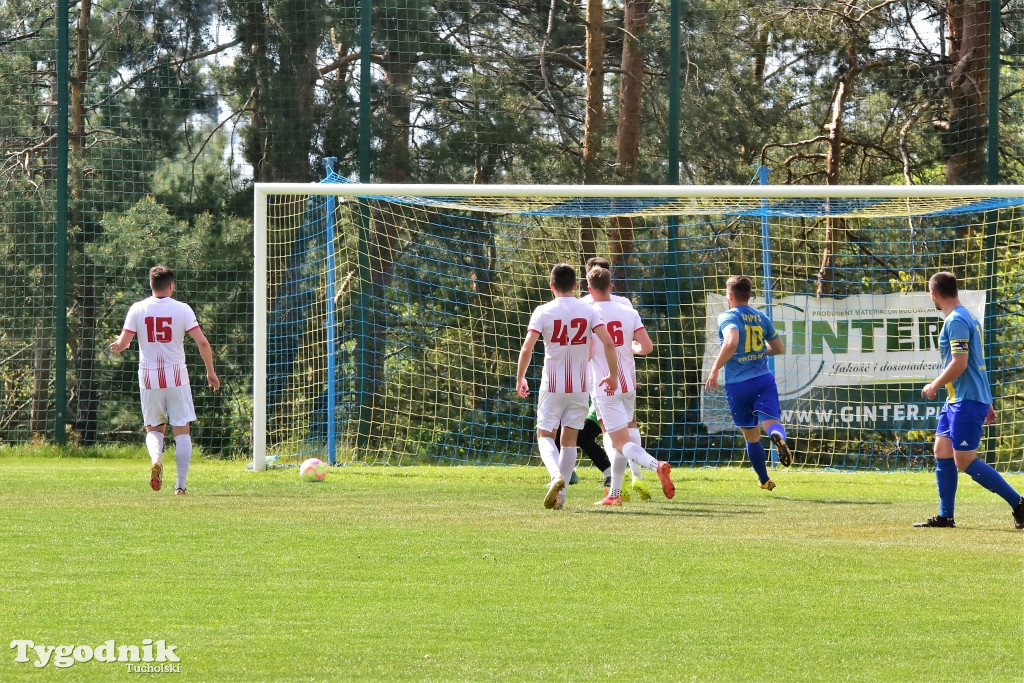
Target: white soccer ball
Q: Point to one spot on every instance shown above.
(313, 469)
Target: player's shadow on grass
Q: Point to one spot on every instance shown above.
(676, 511)
(827, 501)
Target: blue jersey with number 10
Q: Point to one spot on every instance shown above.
(751, 357)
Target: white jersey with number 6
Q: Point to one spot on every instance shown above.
(622, 321)
(567, 325)
(160, 324)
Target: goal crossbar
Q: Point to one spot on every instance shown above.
(658, 191)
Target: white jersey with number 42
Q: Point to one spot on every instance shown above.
(566, 325)
(622, 321)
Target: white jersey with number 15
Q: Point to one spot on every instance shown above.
(160, 323)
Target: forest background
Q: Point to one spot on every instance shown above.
(141, 140)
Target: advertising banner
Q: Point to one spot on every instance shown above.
(854, 362)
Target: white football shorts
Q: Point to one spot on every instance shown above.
(171, 405)
(567, 410)
(616, 411)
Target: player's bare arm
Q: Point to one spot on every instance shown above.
(122, 341)
(642, 344)
(206, 353)
(524, 362)
(956, 367)
(608, 382)
(730, 340)
(776, 347)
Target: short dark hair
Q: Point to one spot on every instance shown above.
(740, 287)
(563, 278)
(599, 278)
(944, 284)
(160, 278)
(598, 261)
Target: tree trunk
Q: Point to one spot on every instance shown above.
(293, 129)
(77, 86)
(86, 392)
(86, 406)
(967, 137)
(283, 95)
(593, 122)
(397, 112)
(621, 238)
(594, 119)
(484, 253)
(253, 33)
(835, 227)
(41, 367)
(386, 221)
(282, 133)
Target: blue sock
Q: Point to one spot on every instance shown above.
(777, 428)
(946, 476)
(984, 474)
(755, 451)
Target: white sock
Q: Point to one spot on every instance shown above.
(635, 470)
(567, 461)
(639, 455)
(618, 472)
(155, 446)
(182, 457)
(634, 467)
(609, 448)
(549, 454)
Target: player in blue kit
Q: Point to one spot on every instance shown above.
(748, 337)
(968, 406)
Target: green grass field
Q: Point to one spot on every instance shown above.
(460, 574)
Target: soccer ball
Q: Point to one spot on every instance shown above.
(313, 469)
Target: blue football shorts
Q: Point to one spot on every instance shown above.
(747, 399)
(962, 423)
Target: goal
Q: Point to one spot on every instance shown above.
(388, 318)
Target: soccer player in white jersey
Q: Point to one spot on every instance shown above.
(567, 326)
(616, 410)
(161, 323)
(639, 485)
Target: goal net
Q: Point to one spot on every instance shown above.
(389, 317)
